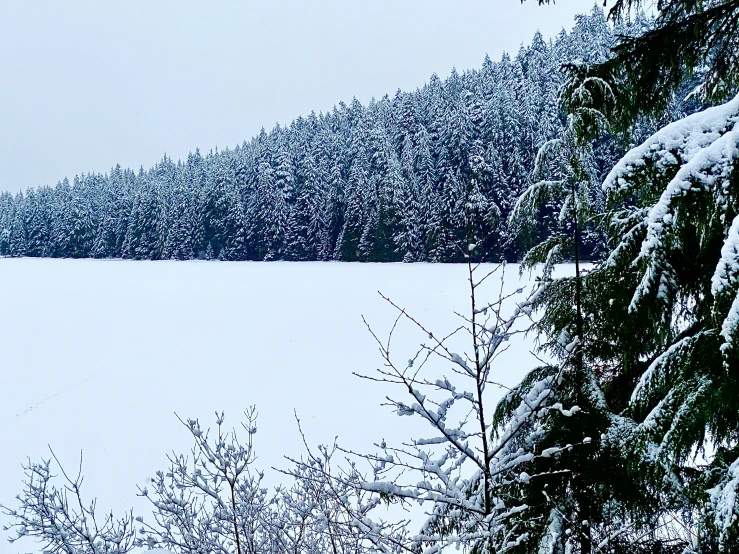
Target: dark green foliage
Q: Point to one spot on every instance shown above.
(660, 310)
(690, 38)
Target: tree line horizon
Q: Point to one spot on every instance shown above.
(404, 178)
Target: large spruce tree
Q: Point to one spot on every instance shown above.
(660, 310)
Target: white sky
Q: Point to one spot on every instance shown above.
(87, 84)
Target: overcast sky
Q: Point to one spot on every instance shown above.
(88, 84)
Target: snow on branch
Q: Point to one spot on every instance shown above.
(656, 377)
(211, 501)
(723, 503)
(678, 142)
(695, 155)
(61, 520)
(727, 270)
(724, 284)
(704, 168)
(459, 467)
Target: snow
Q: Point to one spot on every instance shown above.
(656, 374)
(702, 167)
(99, 355)
(687, 136)
(727, 270)
(729, 326)
(699, 152)
(723, 501)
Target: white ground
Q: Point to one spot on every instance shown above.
(97, 356)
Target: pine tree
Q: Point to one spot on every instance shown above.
(687, 38)
(216, 206)
(409, 237)
(17, 242)
(283, 229)
(234, 245)
(6, 221)
(670, 272)
(142, 240)
(565, 180)
(257, 208)
(358, 196)
(660, 307)
(35, 224)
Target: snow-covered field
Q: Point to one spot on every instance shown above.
(98, 356)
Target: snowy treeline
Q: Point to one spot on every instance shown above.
(404, 178)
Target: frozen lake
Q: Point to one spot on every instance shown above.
(98, 355)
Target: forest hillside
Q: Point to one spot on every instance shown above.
(406, 177)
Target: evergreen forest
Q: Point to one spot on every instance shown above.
(404, 178)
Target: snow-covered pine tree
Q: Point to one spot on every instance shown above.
(357, 198)
(671, 273)
(35, 223)
(565, 179)
(661, 306)
(409, 236)
(6, 219)
(142, 239)
(216, 204)
(235, 240)
(282, 227)
(17, 242)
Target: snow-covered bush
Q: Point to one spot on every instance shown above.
(61, 520)
(212, 501)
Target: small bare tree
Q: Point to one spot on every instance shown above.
(463, 469)
(209, 502)
(327, 509)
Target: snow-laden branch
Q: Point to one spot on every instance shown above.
(59, 519)
(460, 467)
